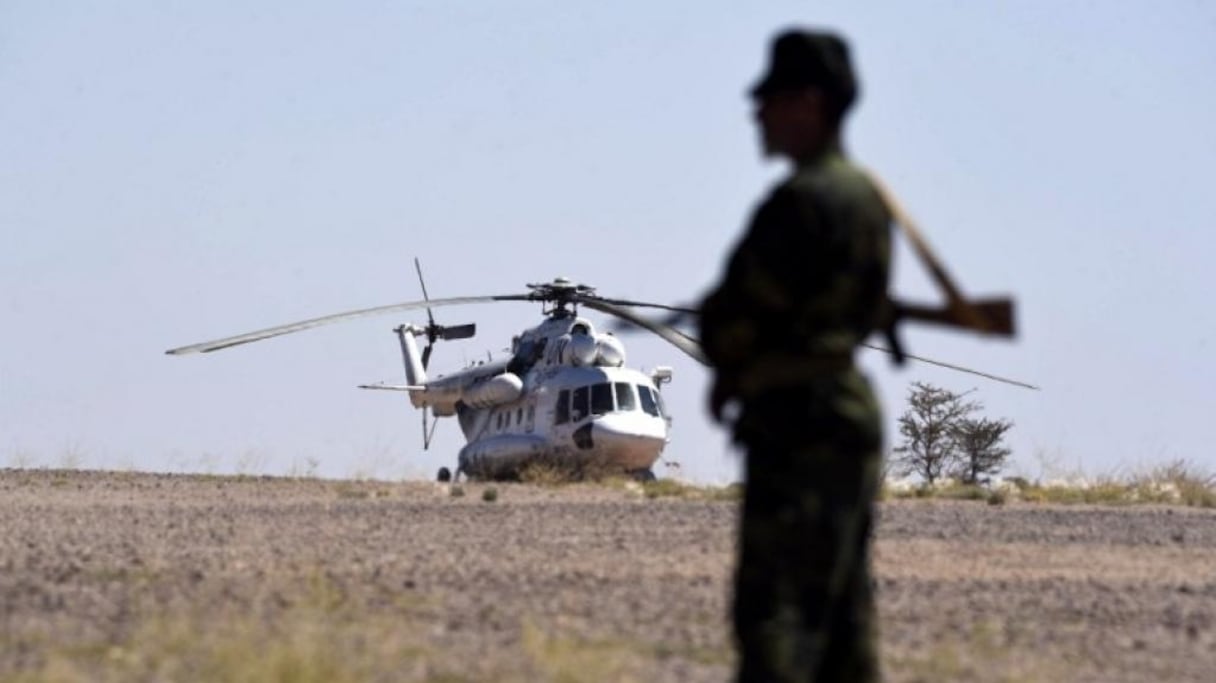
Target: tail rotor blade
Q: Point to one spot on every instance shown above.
(458, 331)
(430, 318)
(435, 331)
(426, 441)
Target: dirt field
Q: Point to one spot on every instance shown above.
(122, 576)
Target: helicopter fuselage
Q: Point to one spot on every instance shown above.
(564, 397)
(575, 415)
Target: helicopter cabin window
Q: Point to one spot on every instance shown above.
(562, 413)
(601, 399)
(624, 396)
(580, 404)
(648, 401)
(519, 416)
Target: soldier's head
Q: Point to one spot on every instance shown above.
(802, 100)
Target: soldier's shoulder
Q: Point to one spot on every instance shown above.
(835, 176)
(834, 183)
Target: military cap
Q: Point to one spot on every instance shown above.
(802, 59)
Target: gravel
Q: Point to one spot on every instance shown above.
(132, 576)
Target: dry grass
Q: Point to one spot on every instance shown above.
(980, 655)
(1176, 483)
(558, 471)
(321, 637)
(545, 473)
(671, 488)
(564, 659)
(361, 490)
(549, 474)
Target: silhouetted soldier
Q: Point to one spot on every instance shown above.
(805, 285)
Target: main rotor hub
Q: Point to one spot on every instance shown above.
(561, 293)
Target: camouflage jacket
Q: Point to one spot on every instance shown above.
(805, 284)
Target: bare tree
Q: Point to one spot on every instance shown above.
(928, 428)
(979, 449)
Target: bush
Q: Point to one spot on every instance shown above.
(942, 438)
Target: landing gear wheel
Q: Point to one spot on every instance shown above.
(643, 476)
(444, 476)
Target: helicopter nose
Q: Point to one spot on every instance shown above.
(631, 440)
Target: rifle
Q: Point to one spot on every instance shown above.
(992, 316)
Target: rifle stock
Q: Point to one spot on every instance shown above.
(992, 316)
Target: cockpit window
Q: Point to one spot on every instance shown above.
(580, 403)
(648, 401)
(601, 399)
(625, 399)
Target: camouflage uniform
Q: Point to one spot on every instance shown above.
(802, 289)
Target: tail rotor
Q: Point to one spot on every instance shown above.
(434, 332)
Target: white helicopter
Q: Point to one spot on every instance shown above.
(565, 395)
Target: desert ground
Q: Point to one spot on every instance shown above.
(130, 576)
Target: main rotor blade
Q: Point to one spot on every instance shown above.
(640, 304)
(958, 368)
(668, 333)
(216, 345)
(692, 347)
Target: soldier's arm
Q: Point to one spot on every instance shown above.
(779, 262)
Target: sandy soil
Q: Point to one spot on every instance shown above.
(124, 576)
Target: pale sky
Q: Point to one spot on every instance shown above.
(172, 172)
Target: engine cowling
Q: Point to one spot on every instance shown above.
(494, 391)
(611, 351)
(581, 350)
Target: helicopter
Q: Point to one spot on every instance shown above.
(564, 395)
